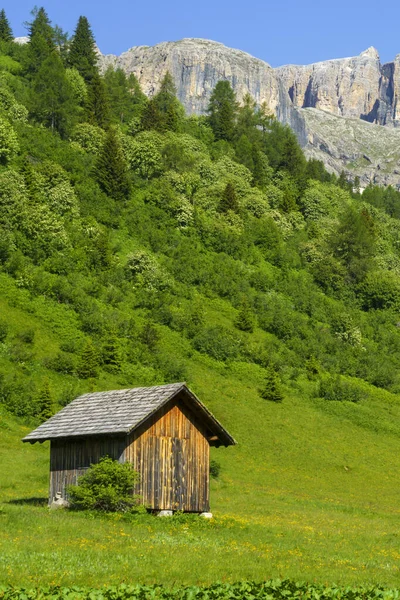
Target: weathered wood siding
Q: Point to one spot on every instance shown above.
(71, 458)
(171, 454)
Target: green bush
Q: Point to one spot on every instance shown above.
(3, 331)
(106, 486)
(339, 389)
(277, 589)
(215, 469)
(218, 342)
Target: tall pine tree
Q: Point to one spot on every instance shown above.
(6, 34)
(41, 40)
(124, 94)
(53, 102)
(97, 105)
(82, 53)
(222, 111)
(111, 170)
(167, 105)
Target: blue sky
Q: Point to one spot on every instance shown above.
(277, 31)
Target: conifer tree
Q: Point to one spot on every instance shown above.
(167, 105)
(82, 53)
(6, 34)
(262, 171)
(272, 389)
(151, 117)
(97, 106)
(41, 40)
(111, 169)
(293, 159)
(88, 362)
(112, 355)
(245, 320)
(124, 94)
(222, 111)
(244, 152)
(53, 102)
(44, 402)
(229, 199)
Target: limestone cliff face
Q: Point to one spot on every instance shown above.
(358, 87)
(196, 66)
(346, 91)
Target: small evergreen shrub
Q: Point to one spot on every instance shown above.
(106, 486)
(215, 469)
(272, 389)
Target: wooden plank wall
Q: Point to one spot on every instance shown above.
(171, 454)
(71, 458)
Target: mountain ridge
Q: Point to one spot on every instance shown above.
(358, 88)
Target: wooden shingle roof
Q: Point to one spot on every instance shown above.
(120, 412)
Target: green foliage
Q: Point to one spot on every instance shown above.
(272, 389)
(222, 110)
(88, 363)
(106, 486)
(97, 102)
(215, 469)
(82, 51)
(276, 588)
(218, 342)
(112, 353)
(245, 319)
(53, 102)
(88, 137)
(3, 331)
(144, 156)
(44, 402)
(10, 108)
(9, 145)
(42, 42)
(6, 34)
(126, 99)
(77, 85)
(229, 199)
(338, 389)
(111, 169)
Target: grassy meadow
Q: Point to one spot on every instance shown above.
(309, 494)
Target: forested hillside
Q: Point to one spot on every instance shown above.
(136, 242)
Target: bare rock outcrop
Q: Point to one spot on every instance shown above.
(196, 66)
(358, 87)
(359, 148)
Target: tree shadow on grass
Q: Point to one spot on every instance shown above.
(35, 501)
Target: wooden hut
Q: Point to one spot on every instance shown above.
(164, 431)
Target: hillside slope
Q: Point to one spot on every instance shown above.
(140, 246)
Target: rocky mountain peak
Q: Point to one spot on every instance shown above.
(371, 52)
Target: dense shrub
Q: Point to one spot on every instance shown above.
(339, 389)
(106, 486)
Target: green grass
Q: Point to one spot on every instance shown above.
(310, 493)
